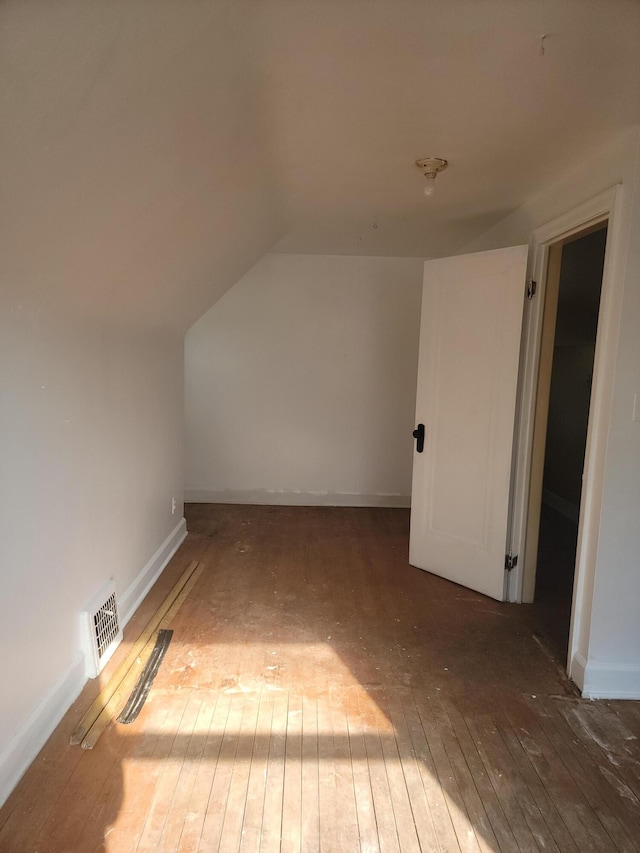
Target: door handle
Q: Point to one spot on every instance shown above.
(418, 434)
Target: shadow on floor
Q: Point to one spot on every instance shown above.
(554, 582)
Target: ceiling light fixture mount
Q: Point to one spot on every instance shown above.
(430, 166)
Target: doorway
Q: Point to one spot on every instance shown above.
(572, 303)
(450, 339)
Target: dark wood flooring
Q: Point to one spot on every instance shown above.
(554, 580)
(322, 695)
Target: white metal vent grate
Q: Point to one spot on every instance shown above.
(101, 630)
(106, 625)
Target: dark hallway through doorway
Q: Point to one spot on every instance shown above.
(578, 294)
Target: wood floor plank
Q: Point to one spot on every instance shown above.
(205, 776)
(310, 805)
(402, 810)
(155, 722)
(559, 837)
(184, 720)
(231, 834)
(102, 823)
(365, 810)
(601, 740)
(485, 810)
(557, 780)
(628, 717)
(513, 796)
(435, 796)
(421, 812)
(81, 795)
(26, 810)
(380, 790)
(274, 791)
(576, 755)
(453, 776)
(345, 815)
(321, 695)
(327, 795)
(219, 794)
(254, 808)
(292, 793)
(151, 735)
(177, 813)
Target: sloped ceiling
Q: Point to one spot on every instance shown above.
(152, 151)
(360, 90)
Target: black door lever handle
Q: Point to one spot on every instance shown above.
(418, 434)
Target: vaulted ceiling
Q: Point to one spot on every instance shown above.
(152, 150)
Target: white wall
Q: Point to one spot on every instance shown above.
(300, 384)
(608, 641)
(91, 455)
(137, 185)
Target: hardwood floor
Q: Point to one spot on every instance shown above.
(554, 579)
(320, 694)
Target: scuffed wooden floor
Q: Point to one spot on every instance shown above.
(320, 694)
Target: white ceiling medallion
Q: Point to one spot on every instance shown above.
(430, 166)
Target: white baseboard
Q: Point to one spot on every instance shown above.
(39, 725)
(611, 681)
(37, 728)
(564, 507)
(132, 597)
(291, 498)
(576, 670)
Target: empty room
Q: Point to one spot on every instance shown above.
(320, 425)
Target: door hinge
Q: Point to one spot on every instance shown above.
(510, 561)
(532, 286)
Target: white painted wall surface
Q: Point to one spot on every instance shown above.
(137, 186)
(301, 381)
(609, 641)
(90, 438)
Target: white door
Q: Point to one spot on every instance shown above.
(467, 383)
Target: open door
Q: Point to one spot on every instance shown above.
(466, 401)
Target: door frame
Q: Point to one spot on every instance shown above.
(604, 207)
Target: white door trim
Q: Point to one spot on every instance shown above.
(603, 207)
